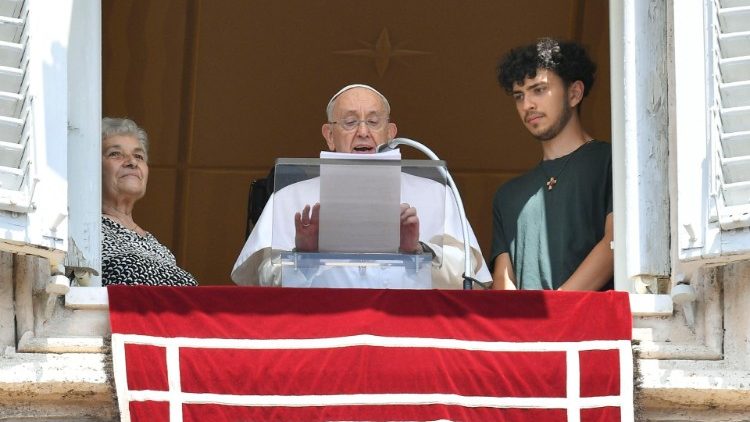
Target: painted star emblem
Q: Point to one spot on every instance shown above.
(382, 52)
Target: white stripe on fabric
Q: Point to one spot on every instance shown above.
(120, 374)
(627, 410)
(175, 383)
(625, 401)
(573, 385)
(376, 400)
(371, 340)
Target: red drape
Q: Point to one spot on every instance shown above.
(267, 354)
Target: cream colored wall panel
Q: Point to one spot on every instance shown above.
(261, 88)
(155, 212)
(215, 223)
(142, 75)
(477, 191)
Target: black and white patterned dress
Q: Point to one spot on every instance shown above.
(129, 258)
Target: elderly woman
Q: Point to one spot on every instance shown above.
(130, 255)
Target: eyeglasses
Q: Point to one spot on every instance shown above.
(372, 123)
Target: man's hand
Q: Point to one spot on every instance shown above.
(306, 226)
(598, 267)
(409, 229)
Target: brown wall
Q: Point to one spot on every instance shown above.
(225, 87)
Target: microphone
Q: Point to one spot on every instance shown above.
(391, 145)
(385, 147)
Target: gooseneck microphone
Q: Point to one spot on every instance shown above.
(392, 144)
(385, 147)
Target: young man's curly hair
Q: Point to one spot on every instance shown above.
(568, 60)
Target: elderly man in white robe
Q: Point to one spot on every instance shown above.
(358, 122)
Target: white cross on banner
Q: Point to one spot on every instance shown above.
(272, 354)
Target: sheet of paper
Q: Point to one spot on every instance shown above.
(394, 154)
(359, 206)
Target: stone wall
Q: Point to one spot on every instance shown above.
(52, 359)
(701, 372)
(59, 371)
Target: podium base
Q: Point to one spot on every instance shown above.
(356, 270)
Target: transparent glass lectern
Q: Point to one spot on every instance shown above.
(358, 230)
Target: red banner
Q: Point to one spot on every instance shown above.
(267, 354)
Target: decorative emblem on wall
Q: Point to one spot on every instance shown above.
(381, 51)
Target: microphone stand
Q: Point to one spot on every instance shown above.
(468, 279)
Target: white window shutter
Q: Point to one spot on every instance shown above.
(34, 94)
(16, 173)
(732, 113)
(50, 114)
(712, 143)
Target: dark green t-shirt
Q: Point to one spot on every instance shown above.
(548, 233)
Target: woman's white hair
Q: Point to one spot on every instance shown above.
(116, 126)
(332, 101)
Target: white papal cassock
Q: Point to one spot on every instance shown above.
(441, 231)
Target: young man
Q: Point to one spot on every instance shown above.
(553, 225)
